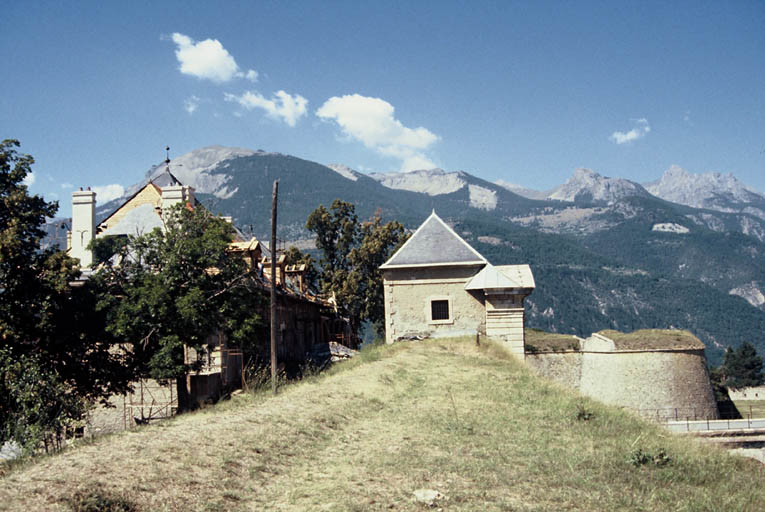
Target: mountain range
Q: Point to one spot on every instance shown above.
(685, 251)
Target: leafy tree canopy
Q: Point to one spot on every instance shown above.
(48, 332)
(742, 367)
(351, 254)
(294, 256)
(174, 288)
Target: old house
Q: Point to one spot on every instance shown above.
(437, 285)
(305, 319)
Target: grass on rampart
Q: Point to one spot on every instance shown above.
(652, 339)
(542, 341)
(469, 422)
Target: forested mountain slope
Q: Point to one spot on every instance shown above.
(616, 257)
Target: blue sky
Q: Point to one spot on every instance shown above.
(520, 91)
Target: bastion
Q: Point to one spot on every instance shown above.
(657, 373)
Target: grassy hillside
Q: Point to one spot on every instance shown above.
(466, 421)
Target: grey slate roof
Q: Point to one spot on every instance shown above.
(502, 277)
(165, 179)
(434, 244)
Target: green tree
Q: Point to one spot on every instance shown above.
(47, 326)
(294, 256)
(742, 367)
(34, 402)
(378, 242)
(171, 289)
(351, 253)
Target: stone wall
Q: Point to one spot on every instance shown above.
(661, 384)
(408, 293)
(750, 393)
(658, 384)
(565, 368)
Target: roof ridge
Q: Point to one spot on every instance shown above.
(433, 217)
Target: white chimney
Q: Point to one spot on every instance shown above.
(83, 225)
(171, 195)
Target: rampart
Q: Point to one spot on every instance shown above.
(664, 383)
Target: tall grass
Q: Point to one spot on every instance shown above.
(469, 422)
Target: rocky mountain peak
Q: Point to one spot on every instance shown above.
(433, 182)
(203, 169)
(588, 185)
(712, 190)
(344, 171)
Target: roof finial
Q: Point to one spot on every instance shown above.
(167, 160)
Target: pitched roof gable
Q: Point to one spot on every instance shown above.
(434, 244)
(148, 194)
(163, 179)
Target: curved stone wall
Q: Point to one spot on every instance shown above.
(661, 384)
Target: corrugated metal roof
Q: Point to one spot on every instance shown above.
(502, 277)
(433, 244)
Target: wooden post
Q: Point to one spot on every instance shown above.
(274, 324)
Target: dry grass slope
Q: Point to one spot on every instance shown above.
(445, 415)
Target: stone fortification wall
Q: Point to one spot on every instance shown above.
(408, 293)
(565, 368)
(658, 384)
(750, 393)
(661, 384)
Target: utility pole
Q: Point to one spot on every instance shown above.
(274, 323)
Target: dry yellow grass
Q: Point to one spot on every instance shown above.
(650, 339)
(541, 341)
(444, 415)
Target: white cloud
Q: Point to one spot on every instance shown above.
(67, 186)
(372, 122)
(416, 162)
(29, 179)
(191, 104)
(208, 59)
(640, 130)
(108, 192)
(281, 105)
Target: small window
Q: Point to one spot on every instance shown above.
(439, 310)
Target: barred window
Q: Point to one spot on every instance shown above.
(439, 310)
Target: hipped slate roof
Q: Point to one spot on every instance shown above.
(503, 277)
(434, 244)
